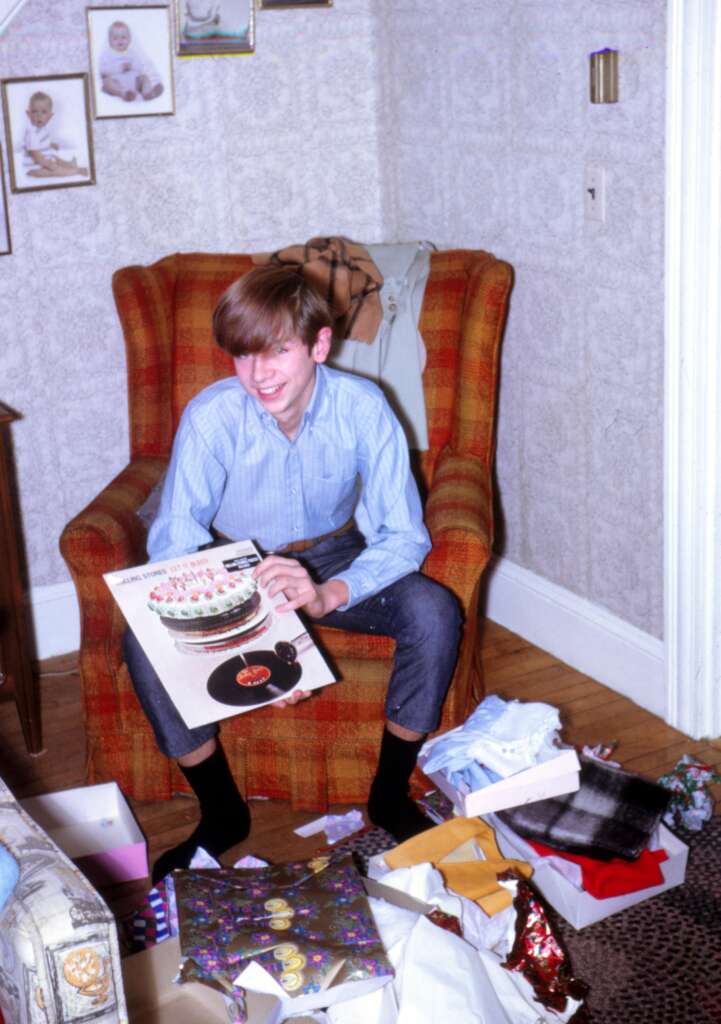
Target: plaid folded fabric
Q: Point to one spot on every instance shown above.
(613, 814)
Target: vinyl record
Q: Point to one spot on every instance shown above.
(253, 678)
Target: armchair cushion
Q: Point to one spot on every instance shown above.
(322, 750)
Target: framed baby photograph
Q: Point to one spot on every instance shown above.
(47, 127)
(5, 245)
(131, 61)
(212, 28)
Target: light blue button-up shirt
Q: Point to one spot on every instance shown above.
(234, 468)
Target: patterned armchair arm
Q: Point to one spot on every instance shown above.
(108, 534)
(459, 517)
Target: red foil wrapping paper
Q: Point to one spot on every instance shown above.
(539, 956)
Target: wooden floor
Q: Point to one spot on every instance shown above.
(590, 713)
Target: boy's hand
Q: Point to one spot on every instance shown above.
(296, 696)
(276, 573)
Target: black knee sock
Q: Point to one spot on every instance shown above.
(389, 805)
(224, 814)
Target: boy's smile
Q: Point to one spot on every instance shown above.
(282, 378)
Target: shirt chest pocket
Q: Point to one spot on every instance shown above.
(331, 483)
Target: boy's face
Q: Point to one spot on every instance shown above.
(119, 37)
(282, 378)
(40, 111)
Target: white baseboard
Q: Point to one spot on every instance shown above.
(585, 636)
(56, 619)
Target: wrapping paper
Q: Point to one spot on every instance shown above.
(691, 803)
(306, 923)
(539, 957)
(154, 920)
(476, 879)
(441, 976)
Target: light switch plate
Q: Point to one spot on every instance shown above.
(594, 193)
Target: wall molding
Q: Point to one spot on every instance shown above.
(585, 636)
(55, 619)
(692, 499)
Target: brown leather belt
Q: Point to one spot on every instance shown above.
(296, 546)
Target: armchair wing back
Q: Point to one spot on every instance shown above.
(322, 750)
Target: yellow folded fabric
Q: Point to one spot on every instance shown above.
(475, 879)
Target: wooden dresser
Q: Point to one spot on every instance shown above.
(17, 679)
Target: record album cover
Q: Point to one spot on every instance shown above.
(214, 635)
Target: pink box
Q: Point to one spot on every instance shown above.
(94, 826)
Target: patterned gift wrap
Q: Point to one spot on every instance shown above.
(308, 923)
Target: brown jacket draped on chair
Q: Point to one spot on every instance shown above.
(345, 274)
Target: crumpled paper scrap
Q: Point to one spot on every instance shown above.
(336, 826)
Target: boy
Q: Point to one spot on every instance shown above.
(39, 145)
(312, 464)
(124, 69)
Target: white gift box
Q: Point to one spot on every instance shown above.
(558, 775)
(94, 826)
(578, 907)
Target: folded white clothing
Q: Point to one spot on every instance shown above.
(504, 737)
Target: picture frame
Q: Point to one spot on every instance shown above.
(131, 61)
(275, 5)
(8, 10)
(214, 28)
(59, 133)
(5, 241)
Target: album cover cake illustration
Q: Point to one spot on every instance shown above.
(210, 609)
(213, 634)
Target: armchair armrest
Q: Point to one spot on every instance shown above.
(459, 517)
(108, 534)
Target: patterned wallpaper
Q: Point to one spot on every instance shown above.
(262, 150)
(466, 123)
(491, 131)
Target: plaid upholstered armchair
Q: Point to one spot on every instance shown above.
(322, 750)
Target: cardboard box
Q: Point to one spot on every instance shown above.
(558, 775)
(95, 827)
(153, 998)
(580, 908)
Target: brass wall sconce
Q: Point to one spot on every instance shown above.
(604, 76)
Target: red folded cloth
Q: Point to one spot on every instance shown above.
(617, 877)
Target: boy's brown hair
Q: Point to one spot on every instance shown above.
(268, 305)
